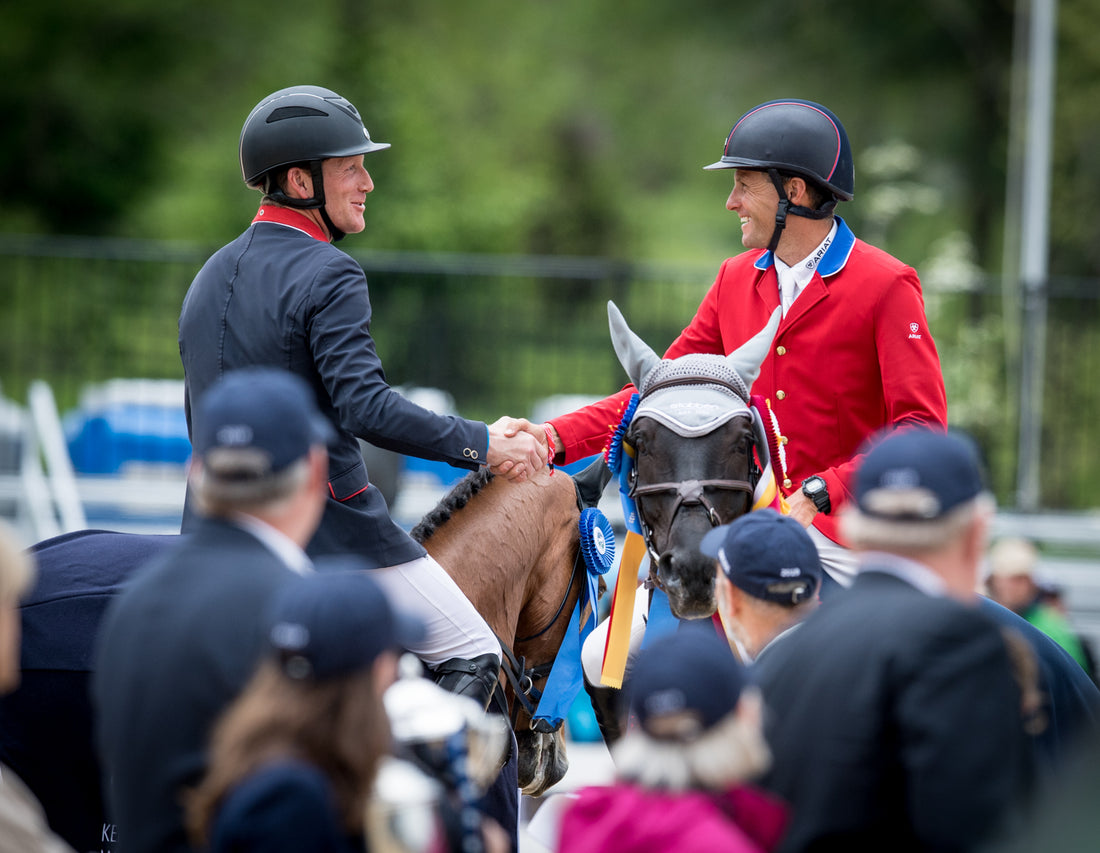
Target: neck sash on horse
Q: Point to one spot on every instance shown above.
(564, 682)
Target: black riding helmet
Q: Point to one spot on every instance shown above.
(793, 137)
(301, 124)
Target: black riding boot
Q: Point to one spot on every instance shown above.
(606, 703)
(476, 678)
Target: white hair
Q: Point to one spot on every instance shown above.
(905, 536)
(222, 495)
(730, 752)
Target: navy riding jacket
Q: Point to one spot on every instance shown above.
(281, 295)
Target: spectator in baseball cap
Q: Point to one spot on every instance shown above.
(293, 759)
(769, 579)
(916, 490)
(184, 634)
(900, 685)
(258, 425)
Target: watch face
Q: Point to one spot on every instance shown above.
(814, 485)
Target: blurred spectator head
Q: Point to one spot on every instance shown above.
(1013, 562)
(254, 433)
(698, 716)
(16, 577)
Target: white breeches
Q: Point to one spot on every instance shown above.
(838, 561)
(454, 628)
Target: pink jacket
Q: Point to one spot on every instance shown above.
(628, 819)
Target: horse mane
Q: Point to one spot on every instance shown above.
(453, 501)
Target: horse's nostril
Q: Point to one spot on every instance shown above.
(666, 571)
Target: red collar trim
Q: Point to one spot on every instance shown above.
(292, 218)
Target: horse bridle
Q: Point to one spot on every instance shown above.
(687, 492)
(523, 677)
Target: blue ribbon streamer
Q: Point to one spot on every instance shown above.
(660, 620)
(565, 679)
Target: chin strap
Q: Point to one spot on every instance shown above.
(786, 209)
(316, 203)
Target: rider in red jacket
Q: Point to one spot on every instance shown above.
(853, 354)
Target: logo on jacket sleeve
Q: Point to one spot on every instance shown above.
(914, 331)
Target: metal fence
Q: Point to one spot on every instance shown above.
(501, 333)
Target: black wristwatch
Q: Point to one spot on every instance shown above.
(816, 489)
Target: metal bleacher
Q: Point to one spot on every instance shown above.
(42, 494)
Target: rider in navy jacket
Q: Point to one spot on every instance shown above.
(282, 295)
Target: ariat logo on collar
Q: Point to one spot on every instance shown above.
(819, 254)
(914, 331)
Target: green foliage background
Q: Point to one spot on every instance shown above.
(544, 127)
(566, 127)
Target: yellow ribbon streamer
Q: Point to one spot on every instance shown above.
(622, 612)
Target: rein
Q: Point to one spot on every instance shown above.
(522, 677)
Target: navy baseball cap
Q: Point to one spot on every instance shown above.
(918, 474)
(684, 683)
(768, 555)
(335, 622)
(268, 413)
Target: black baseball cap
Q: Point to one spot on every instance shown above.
(918, 474)
(271, 412)
(335, 622)
(684, 683)
(768, 555)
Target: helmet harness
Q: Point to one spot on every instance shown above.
(793, 138)
(786, 209)
(296, 127)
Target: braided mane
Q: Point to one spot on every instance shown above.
(453, 501)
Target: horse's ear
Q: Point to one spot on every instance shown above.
(634, 354)
(748, 357)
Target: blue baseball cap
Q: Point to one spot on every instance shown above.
(270, 412)
(684, 683)
(768, 555)
(918, 474)
(335, 622)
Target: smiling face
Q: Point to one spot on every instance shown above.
(755, 200)
(347, 183)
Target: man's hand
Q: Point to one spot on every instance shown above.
(802, 509)
(517, 448)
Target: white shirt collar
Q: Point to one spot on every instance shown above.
(792, 280)
(281, 545)
(913, 573)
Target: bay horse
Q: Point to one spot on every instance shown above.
(514, 550)
(698, 449)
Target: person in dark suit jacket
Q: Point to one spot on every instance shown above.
(283, 295)
(181, 640)
(894, 712)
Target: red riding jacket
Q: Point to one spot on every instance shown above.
(853, 356)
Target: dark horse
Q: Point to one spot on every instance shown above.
(514, 551)
(696, 444)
